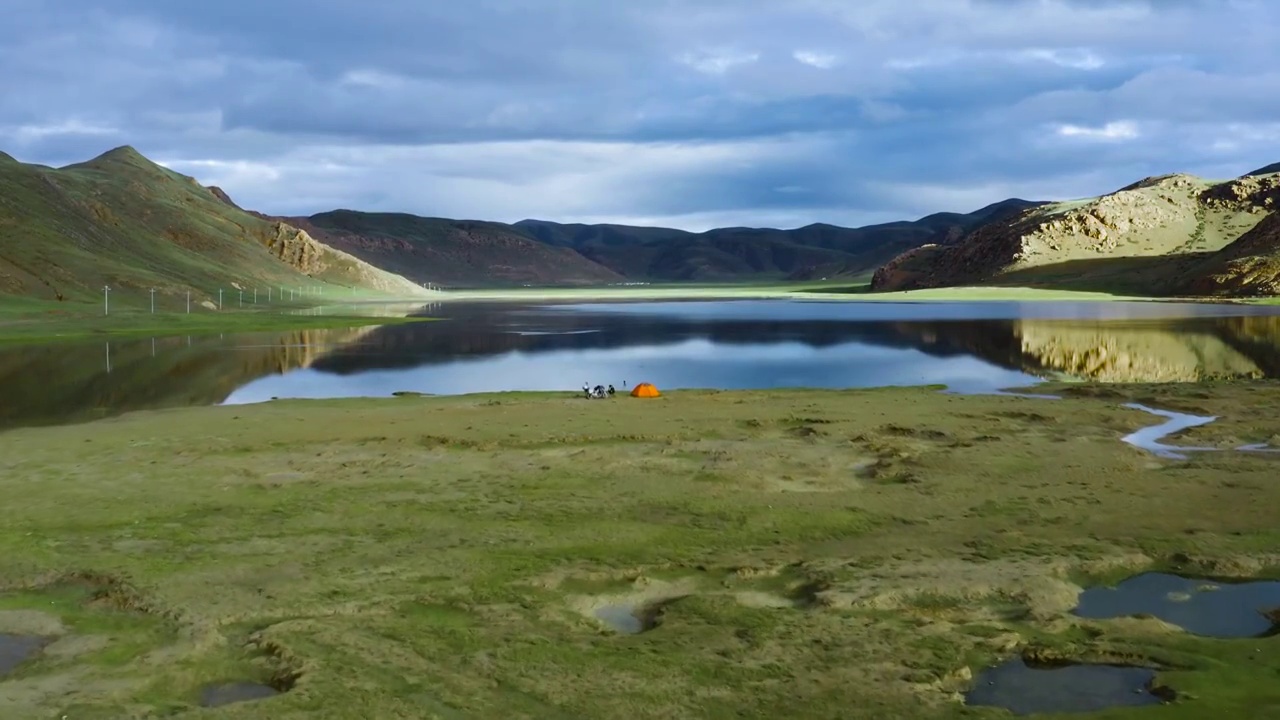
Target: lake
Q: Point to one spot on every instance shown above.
(480, 347)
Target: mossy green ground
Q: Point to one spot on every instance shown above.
(815, 554)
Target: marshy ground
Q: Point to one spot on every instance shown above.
(784, 553)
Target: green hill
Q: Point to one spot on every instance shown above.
(124, 221)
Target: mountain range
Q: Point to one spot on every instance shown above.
(472, 253)
(124, 221)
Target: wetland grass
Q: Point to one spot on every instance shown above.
(445, 556)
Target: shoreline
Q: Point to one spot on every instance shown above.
(25, 321)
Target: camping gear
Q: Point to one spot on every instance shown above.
(645, 390)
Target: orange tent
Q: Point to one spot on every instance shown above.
(645, 390)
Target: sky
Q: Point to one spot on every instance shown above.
(681, 113)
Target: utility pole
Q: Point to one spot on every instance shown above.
(268, 294)
(108, 356)
(153, 301)
(255, 296)
(241, 298)
(188, 302)
(219, 298)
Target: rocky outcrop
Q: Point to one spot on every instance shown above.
(1250, 193)
(222, 196)
(297, 249)
(1169, 216)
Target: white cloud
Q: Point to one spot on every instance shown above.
(31, 133)
(717, 62)
(374, 79)
(823, 61)
(223, 173)
(1077, 59)
(1116, 130)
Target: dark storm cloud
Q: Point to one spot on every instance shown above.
(687, 112)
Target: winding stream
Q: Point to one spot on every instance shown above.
(1149, 438)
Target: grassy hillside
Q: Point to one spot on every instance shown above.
(1173, 234)
(123, 221)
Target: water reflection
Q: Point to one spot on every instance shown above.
(489, 346)
(56, 383)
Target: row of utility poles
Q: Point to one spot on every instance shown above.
(300, 292)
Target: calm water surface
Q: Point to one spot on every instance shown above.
(970, 347)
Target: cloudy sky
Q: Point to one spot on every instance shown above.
(687, 113)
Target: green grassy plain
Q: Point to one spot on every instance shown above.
(852, 554)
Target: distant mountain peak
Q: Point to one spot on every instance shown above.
(124, 152)
(125, 155)
(1267, 170)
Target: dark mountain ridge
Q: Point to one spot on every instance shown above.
(476, 253)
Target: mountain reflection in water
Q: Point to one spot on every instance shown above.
(493, 347)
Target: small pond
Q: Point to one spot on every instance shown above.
(228, 693)
(628, 619)
(17, 649)
(1025, 690)
(1202, 607)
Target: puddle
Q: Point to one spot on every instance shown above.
(17, 649)
(628, 618)
(228, 693)
(1025, 690)
(1214, 609)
